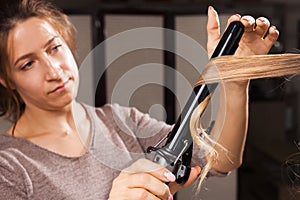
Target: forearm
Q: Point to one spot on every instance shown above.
(231, 124)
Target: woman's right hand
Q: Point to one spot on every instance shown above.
(144, 179)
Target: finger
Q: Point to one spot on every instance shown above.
(233, 18)
(262, 26)
(271, 37)
(213, 23)
(249, 22)
(156, 170)
(150, 184)
(195, 171)
(213, 30)
(133, 194)
(140, 193)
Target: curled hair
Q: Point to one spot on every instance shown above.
(236, 68)
(13, 12)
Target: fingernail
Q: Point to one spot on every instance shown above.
(211, 9)
(275, 29)
(170, 197)
(239, 16)
(171, 177)
(264, 20)
(249, 19)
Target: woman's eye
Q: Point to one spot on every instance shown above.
(55, 48)
(27, 65)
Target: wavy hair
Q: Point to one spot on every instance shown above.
(235, 68)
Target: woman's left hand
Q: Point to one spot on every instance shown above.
(258, 37)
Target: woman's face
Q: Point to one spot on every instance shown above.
(43, 69)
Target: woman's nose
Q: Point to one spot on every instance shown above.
(53, 70)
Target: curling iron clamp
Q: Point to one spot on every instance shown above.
(176, 153)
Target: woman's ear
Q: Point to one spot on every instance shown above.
(2, 82)
(7, 84)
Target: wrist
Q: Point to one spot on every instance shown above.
(236, 86)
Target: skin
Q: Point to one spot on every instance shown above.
(50, 65)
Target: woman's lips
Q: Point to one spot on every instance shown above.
(60, 88)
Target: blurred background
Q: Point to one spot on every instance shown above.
(271, 166)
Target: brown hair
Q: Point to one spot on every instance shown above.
(13, 12)
(235, 68)
(239, 68)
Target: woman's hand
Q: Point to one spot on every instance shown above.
(258, 37)
(147, 180)
(142, 180)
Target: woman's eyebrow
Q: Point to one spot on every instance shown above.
(50, 41)
(23, 57)
(30, 54)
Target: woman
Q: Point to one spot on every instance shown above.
(57, 147)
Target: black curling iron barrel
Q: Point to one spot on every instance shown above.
(176, 153)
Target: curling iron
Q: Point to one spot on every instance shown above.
(176, 153)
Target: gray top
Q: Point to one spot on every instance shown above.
(120, 135)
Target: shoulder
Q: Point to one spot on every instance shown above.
(13, 175)
(5, 141)
(10, 153)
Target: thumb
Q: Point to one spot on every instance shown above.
(213, 30)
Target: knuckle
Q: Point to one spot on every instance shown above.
(140, 162)
(141, 194)
(164, 191)
(144, 179)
